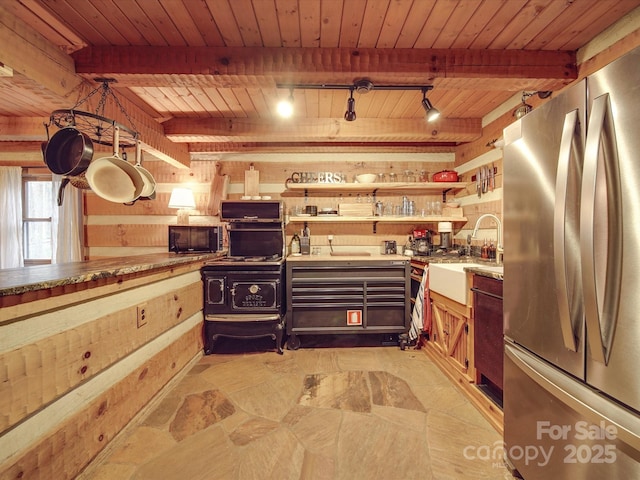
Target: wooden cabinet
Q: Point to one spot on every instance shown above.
(488, 335)
(451, 334)
(453, 346)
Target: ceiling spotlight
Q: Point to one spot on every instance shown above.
(432, 112)
(285, 107)
(524, 107)
(350, 114)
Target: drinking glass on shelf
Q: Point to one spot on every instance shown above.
(381, 178)
(408, 176)
(393, 177)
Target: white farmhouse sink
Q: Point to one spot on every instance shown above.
(450, 279)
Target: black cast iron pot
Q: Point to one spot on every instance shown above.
(69, 152)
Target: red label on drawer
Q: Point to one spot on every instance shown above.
(354, 317)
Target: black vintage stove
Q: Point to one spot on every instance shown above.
(244, 292)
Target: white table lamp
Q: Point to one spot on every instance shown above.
(182, 199)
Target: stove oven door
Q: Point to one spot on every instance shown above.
(215, 287)
(258, 295)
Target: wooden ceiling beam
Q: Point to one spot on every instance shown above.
(322, 130)
(143, 66)
(33, 57)
(209, 151)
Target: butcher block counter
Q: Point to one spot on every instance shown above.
(84, 347)
(347, 294)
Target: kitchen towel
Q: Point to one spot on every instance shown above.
(420, 314)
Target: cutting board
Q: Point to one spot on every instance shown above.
(251, 182)
(218, 192)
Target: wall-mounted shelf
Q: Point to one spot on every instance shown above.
(389, 188)
(373, 219)
(388, 219)
(424, 187)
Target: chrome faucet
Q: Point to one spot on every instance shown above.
(499, 248)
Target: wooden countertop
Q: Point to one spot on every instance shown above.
(16, 281)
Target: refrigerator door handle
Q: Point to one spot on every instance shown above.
(559, 232)
(601, 263)
(580, 398)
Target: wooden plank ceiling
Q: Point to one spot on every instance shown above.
(208, 71)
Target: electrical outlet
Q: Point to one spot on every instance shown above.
(141, 314)
(330, 237)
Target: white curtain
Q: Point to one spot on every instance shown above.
(66, 224)
(11, 223)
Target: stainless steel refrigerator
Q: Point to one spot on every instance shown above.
(572, 281)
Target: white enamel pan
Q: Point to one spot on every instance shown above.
(113, 178)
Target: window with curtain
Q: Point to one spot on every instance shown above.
(34, 229)
(37, 211)
(11, 218)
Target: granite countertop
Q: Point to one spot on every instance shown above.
(482, 266)
(486, 270)
(14, 281)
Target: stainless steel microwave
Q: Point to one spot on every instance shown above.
(195, 238)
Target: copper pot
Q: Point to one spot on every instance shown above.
(445, 176)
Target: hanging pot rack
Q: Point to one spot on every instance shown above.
(96, 126)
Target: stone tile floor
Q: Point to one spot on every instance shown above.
(337, 408)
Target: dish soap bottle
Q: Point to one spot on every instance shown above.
(484, 252)
(295, 245)
(492, 251)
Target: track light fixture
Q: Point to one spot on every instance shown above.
(432, 112)
(362, 86)
(285, 107)
(350, 114)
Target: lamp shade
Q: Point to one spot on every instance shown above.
(182, 198)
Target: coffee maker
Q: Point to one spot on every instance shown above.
(445, 229)
(422, 242)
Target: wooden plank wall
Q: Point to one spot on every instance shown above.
(116, 229)
(76, 372)
(604, 49)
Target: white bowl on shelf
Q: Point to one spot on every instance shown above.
(366, 178)
(452, 204)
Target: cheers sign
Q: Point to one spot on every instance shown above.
(317, 177)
